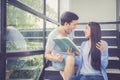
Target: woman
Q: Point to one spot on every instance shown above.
(93, 58)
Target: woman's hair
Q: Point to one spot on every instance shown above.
(95, 38)
(68, 17)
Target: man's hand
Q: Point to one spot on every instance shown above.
(59, 58)
(69, 51)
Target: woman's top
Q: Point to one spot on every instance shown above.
(82, 65)
(87, 69)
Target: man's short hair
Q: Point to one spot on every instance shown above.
(68, 17)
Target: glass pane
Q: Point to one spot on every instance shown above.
(52, 9)
(25, 28)
(27, 68)
(35, 4)
(50, 26)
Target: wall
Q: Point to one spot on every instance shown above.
(118, 10)
(94, 10)
(64, 6)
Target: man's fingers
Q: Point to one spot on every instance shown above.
(69, 49)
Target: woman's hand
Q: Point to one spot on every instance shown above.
(100, 45)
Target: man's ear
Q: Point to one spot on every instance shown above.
(65, 24)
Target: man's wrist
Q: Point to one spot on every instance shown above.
(56, 59)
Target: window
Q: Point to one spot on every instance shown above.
(52, 9)
(49, 27)
(24, 33)
(34, 4)
(29, 26)
(26, 25)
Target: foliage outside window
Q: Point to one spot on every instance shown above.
(30, 27)
(34, 4)
(52, 9)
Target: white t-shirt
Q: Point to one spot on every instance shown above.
(50, 45)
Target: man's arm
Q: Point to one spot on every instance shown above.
(50, 57)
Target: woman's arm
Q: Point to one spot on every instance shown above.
(104, 56)
(103, 47)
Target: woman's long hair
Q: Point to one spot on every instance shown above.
(95, 38)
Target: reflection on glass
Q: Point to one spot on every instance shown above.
(28, 25)
(23, 33)
(24, 68)
(15, 40)
(34, 4)
(52, 9)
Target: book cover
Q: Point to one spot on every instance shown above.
(65, 43)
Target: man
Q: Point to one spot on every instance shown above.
(62, 61)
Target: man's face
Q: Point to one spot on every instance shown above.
(70, 26)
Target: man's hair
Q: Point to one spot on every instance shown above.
(68, 17)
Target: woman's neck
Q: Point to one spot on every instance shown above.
(89, 42)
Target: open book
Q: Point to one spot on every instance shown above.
(64, 43)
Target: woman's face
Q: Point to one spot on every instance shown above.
(87, 31)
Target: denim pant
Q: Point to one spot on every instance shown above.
(87, 77)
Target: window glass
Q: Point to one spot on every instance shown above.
(34, 4)
(26, 68)
(50, 26)
(52, 9)
(24, 32)
(25, 28)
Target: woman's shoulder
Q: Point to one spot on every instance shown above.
(83, 43)
(105, 42)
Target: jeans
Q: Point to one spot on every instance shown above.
(87, 77)
(60, 65)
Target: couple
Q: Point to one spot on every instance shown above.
(93, 56)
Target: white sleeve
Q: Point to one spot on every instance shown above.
(50, 43)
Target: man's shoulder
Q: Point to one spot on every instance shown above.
(53, 32)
